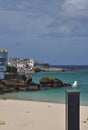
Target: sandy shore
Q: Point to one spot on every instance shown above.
(27, 115)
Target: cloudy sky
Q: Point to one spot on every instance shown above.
(54, 31)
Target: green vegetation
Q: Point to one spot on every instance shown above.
(11, 69)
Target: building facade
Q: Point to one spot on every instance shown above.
(3, 62)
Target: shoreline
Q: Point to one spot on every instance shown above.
(25, 115)
(4, 98)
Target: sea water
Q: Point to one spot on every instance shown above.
(56, 95)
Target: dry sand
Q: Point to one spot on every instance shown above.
(28, 115)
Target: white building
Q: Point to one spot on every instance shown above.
(12, 62)
(21, 65)
(3, 62)
(30, 63)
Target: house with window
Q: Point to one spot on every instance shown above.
(3, 62)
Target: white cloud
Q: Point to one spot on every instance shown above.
(71, 20)
(75, 8)
(34, 18)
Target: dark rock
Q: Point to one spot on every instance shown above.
(50, 82)
(15, 85)
(33, 87)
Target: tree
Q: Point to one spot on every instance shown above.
(11, 69)
(11, 72)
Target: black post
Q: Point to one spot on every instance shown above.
(72, 110)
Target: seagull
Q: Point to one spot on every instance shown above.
(75, 84)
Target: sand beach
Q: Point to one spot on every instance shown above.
(30, 115)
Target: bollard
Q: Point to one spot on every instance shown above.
(72, 110)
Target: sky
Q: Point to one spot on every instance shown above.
(53, 31)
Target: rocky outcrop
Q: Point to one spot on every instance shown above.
(14, 85)
(50, 82)
(52, 69)
(26, 84)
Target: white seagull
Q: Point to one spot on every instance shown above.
(75, 84)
